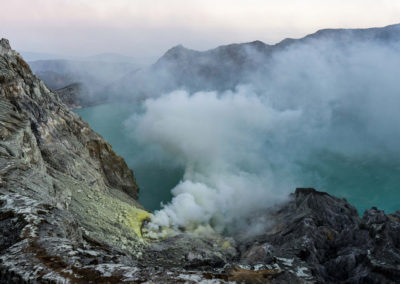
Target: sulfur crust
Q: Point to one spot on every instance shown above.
(135, 218)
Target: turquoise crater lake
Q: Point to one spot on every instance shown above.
(363, 182)
(154, 178)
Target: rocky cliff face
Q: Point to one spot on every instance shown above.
(61, 183)
(68, 214)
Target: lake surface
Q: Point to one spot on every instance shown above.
(363, 182)
(154, 179)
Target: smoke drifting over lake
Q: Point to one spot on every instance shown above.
(245, 149)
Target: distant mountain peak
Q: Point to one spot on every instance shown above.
(257, 43)
(176, 52)
(179, 46)
(177, 49)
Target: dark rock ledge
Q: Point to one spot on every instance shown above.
(321, 238)
(68, 214)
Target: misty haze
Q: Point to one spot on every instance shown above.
(260, 161)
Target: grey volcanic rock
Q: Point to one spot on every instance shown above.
(320, 238)
(68, 214)
(61, 184)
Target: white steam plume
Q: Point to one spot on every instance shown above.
(242, 150)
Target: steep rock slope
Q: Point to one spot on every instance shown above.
(60, 181)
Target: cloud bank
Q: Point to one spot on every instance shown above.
(149, 27)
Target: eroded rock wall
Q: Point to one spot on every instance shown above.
(61, 184)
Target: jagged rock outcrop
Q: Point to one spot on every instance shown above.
(68, 214)
(321, 239)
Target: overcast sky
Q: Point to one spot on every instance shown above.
(150, 27)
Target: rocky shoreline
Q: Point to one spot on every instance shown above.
(69, 214)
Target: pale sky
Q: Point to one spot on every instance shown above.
(150, 27)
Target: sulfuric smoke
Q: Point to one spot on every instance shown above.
(245, 150)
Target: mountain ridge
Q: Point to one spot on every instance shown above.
(227, 66)
(318, 33)
(217, 69)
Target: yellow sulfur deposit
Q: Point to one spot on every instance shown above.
(135, 218)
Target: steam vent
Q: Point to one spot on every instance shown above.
(69, 214)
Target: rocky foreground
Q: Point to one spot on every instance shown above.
(69, 214)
